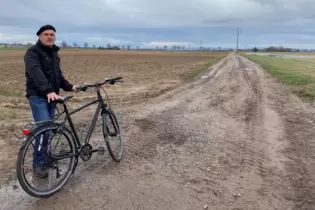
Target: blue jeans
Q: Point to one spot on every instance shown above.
(41, 110)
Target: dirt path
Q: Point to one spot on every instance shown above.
(234, 139)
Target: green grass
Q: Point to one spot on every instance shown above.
(196, 71)
(299, 74)
(12, 48)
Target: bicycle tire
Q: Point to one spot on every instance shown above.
(22, 152)
(109, 114)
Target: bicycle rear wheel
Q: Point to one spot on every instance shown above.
(49, 159)
(110, 131)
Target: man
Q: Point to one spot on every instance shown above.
(44, 79)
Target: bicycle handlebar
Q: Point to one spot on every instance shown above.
(111, 81)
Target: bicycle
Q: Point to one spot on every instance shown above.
(83, 150)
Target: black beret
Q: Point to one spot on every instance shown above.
(45, 27)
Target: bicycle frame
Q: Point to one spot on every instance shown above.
(101, 106)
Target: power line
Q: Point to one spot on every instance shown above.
(237, 34)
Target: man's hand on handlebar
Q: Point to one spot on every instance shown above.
(52, 96)
(74, 89)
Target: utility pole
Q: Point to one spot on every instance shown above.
(237, 33)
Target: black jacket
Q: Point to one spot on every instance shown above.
(42, 71)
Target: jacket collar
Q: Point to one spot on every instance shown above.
(54, 48)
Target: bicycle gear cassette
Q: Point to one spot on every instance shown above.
(85, 152)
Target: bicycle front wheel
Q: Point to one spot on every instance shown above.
(52, 145)
(112, 137)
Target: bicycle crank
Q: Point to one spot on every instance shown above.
(86, 152)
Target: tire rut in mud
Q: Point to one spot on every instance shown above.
(254, 148)
(286, 176)
(254, 155)
(251, 78)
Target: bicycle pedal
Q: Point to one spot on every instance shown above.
(101, 150)
(112, 134)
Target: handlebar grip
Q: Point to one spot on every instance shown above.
(117, 78)
(113, 79)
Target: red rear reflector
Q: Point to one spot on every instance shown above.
(26, 131)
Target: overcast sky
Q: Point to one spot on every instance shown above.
(148, 23)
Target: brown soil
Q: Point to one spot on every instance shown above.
(235, 139)
(145, 75)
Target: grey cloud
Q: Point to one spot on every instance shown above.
(157, 20)
(162, 13)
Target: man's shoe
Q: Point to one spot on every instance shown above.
(40, 171)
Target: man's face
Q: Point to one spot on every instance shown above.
(48, 37)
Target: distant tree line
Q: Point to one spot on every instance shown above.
(279, 49)
(128, 47)
(86, 45)
(109, 46)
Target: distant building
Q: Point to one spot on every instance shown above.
(4, 45)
